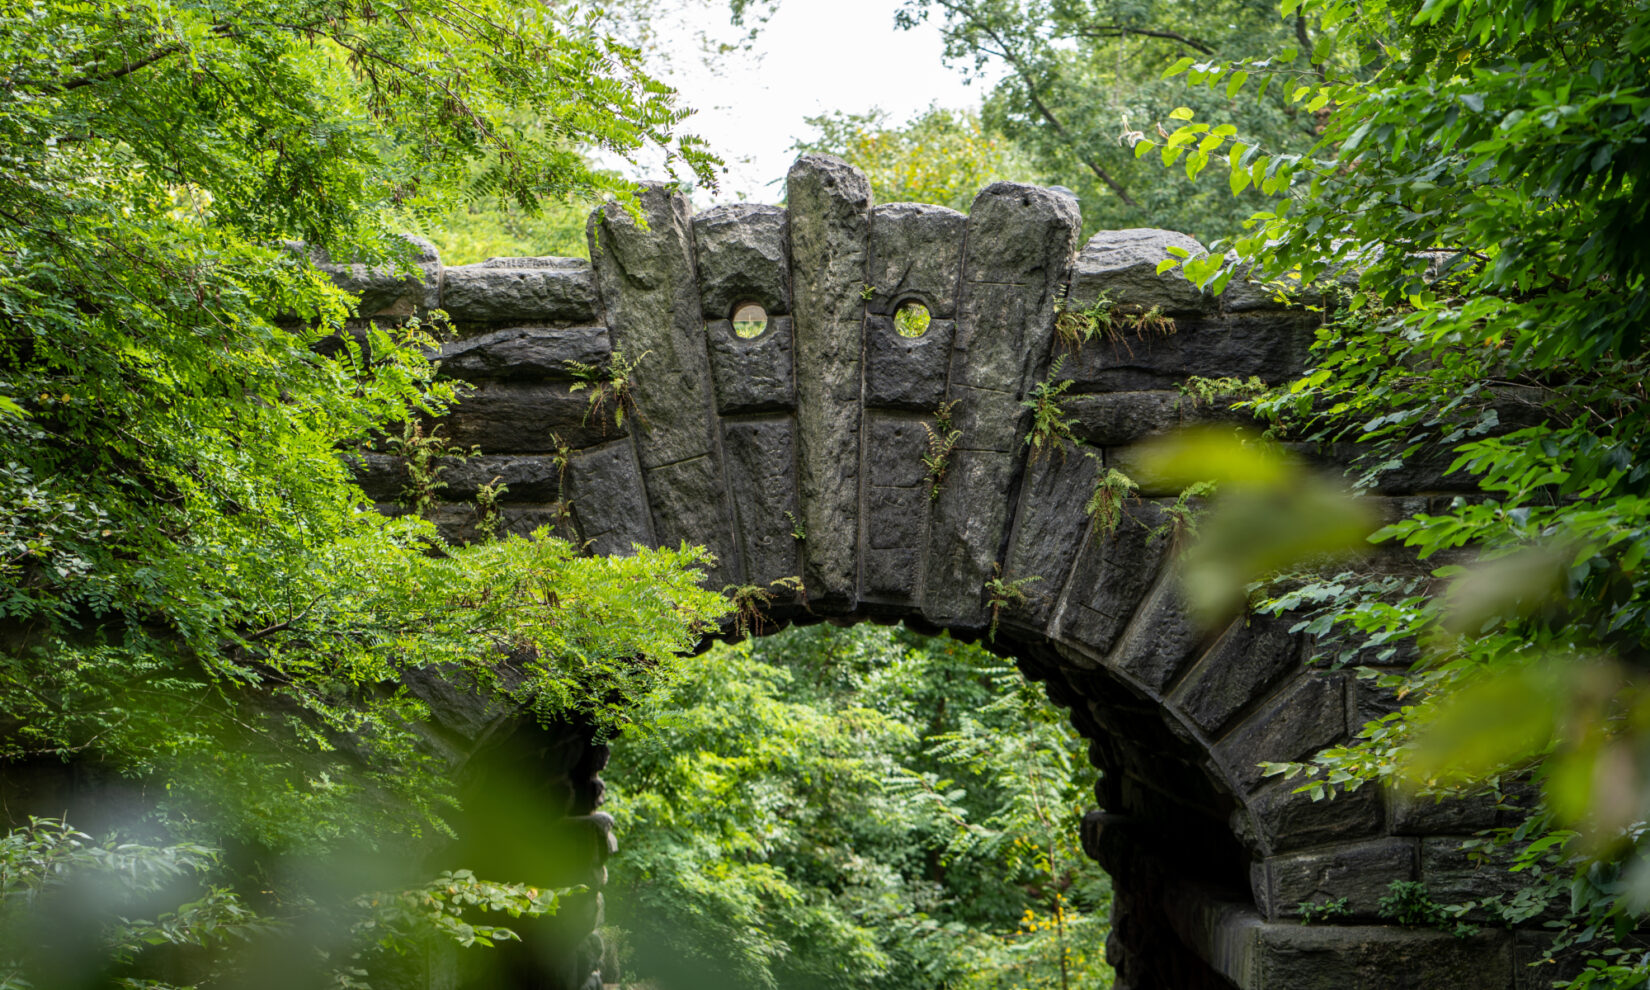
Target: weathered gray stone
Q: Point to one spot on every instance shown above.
(650, 299)
(537, 261)
(744, 256)
(906, 372)
(916, 253)
(1109, 419)
(1252, 655)
(391, 290)
(1122, 266)
(525, 353)
(514, 418)
(1453, 874)
(967, 524)
(559, 292)
(1358, 871)
(529, 478)
(604, 485)
(1307, 715)
(1315, 957)
(1272, 347)
(1019, 243)
(761, 459)
(1161, 639)
(690, 505)
(1112, 576)
(1278, 818)
(1050, 528)
(830, 204)
(895, 447)
(382, 477)
(755, 374)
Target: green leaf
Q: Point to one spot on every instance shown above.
(1181, 113)
(1180, 65)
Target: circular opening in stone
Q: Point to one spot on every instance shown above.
(911, 319)
(749, 320)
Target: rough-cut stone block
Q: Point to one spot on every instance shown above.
(990, 419)
(830, 206)
(527, 478)
(1316, 957)
(1161, 639)
(381, 476)
(916, 252)
(1049, 528)
(894, 451)
(1358, 871)
(391, 290)
(1279, 819)
(461, 522)
(896, 518)
(604, 485)
(513, 418)
(755, 374)
(1414, 814)
(688, 503)
(761, 459)
(1122, 266)
(1112, 576)
(1304, 717)
(525, 353)
(967, 525)
(906, 372)
(744, 256)
(1272, 347)
(892, 574)
(1453, 874)
(559, 292)
(650, 298)
(1251, 656)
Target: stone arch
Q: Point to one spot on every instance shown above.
(800, 453)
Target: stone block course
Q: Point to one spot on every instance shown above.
(1122, 265)
(560, 291)
(1359, 872)
(525, 354)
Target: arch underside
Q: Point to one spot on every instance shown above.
(801, 452)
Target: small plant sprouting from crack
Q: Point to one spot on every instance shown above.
(561, 455)
(1311, 913)
(611, 385)
(489, 516)
(1105, 504)
(942, 440)
(1204, 391)
(751, 601)
(799, 529)
(422, 453)
(1182, 515)
(1050, 429)
(1001, 594)
(1109, 321)
(867, 291)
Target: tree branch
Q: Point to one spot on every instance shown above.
(165, 51)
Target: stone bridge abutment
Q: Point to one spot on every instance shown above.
(800, 451)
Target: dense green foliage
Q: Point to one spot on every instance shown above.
(194, 595)
(940, 156)
(856, 808)
(1482, 165)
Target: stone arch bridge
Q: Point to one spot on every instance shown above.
(799, 451)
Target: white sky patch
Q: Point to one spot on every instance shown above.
(812, 57)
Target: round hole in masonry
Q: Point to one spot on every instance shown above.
(749, 320)
(911, 319)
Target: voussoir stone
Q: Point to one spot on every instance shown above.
(916, 252)
(744, 256)
(1121, 265)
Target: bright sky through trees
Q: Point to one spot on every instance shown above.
(813, 57)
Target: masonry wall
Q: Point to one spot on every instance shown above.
(799, 453)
